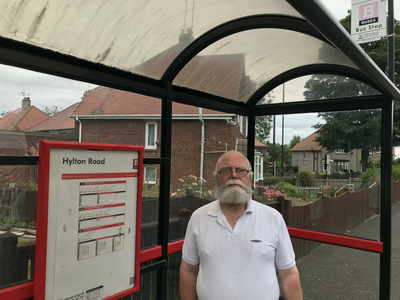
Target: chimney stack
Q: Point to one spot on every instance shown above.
(26, 102)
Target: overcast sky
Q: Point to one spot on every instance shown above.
(46, 90)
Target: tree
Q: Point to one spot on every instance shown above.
(287, 154)
(5, 113)
(295, 140)
(356, 129)
(351, 130)
(51, 111)
(263, 124)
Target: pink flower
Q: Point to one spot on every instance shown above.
(11, 177)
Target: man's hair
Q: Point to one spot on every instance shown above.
(215, 173)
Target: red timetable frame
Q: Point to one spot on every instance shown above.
(88, 221)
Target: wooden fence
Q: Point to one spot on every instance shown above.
(334, 215)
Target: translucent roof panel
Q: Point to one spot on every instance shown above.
(237, 65)
(124, 34)
(318, 87)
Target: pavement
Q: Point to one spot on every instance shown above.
(333, 272)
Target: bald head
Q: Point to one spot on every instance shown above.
(232, 156)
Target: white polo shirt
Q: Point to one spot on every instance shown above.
(238, 263)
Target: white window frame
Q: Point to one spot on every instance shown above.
(258, 167)
(340, 151)
(153, 170)
(152, 144)
(240, 122)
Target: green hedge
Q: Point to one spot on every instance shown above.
(275, 180)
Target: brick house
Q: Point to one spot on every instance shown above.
(113, 116)
(19, 137)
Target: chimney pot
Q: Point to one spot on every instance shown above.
(26, 102)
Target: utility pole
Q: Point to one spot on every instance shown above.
(390, 39)
(283, 125)
(273, 150)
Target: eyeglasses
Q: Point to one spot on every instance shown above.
(240, 172)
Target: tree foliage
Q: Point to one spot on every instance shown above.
(295, 140)
(5, 113)
(51, 111)
(264, 123)
(356, 129)
(287, 154)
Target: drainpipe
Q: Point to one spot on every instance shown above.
(80, 128)
(201, 141)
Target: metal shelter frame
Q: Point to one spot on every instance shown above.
(319, 25)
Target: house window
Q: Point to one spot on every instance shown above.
(150, 175)
(258, 167)
(340, 151)
(151, 135)
(341, 165)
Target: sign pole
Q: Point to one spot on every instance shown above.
(390, 37)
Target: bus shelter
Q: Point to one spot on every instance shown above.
(166, 50)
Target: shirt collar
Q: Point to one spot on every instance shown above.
(215, 208)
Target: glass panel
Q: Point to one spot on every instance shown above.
(18, 202)
(330, 271)
(124, 34)
(328, 190)
(395, 266)
(150, 203)
(237, 65)
(174, 264)
(318, 87)
(192, 179)
(148, 286)
(67, 110)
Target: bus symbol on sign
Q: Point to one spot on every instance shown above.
(135, 164)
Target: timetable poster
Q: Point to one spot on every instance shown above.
(92, 230)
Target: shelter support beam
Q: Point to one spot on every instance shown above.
(165, 181)
(386, 199)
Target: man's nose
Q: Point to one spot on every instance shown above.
(234, 175)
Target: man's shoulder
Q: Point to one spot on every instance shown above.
(203, 210)
(265, 209)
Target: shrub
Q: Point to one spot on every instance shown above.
(150, 190)
(9, 223)
(370, 176)
(274, 180)
(306, 178)
(396, 172)
(287, 188)
(31, 185)
(196, 185)
(330, 190)
(271, 194)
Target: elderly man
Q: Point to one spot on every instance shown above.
(234, 246)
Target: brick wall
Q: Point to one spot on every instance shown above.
(24, 144)
(186, 148)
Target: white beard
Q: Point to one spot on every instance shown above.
(233, 192)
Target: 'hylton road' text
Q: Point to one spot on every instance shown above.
(77, 161)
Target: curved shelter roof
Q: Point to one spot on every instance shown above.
(280, 40)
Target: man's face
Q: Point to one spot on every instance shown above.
(234, 182)
(233, 161)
